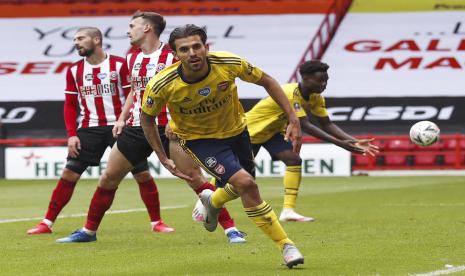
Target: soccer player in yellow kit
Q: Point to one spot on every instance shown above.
(266, 123)
(202, 98)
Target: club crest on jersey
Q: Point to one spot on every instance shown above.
(149, 102)
(137, 66)
(204, 91)
(222, 86)
(210, 162)
(102, 76)
(160, 66)
(150, 66)
(89, 77)
(219, 169)
(113, 75)
(297, 107)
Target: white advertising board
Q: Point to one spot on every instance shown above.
(409, 54)
(48, 163)
(35, 56)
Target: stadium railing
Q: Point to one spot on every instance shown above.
(397, 152)
(325, 33)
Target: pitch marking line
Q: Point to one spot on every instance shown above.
(85, 214)
(449, 270)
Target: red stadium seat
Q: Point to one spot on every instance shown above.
(451, 144)
(425, 160)
(361, 160)
(395, 160)
(451, 159)
(399, 145)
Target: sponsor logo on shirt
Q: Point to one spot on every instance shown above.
(250, 68)
(150, 66)
(97, 90)
(219, 169)
(113, 75)
(210, 162)
(222, 86)
(149, 102)
(89, 77)
(102, 76)
(204, 91)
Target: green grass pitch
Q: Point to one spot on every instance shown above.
(365, 226)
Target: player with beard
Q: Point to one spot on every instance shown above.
(98, 85)
(131, 147)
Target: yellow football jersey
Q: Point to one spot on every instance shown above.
(266, 118)
(209, 108)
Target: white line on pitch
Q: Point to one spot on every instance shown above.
(449, 270)
(85, 214)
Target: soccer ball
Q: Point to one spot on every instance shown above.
(424, 133)
(199, 213)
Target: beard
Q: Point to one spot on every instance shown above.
(86, 53)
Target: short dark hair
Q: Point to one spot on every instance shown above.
(186, 31)
(92, 32)
(313, 66)
(156, 20)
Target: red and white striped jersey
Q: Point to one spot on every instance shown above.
(101, 90)
(142, 68)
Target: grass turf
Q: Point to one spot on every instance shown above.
(365, 226)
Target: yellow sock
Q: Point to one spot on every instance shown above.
(223, 195)
(265, 218)
(292, 178)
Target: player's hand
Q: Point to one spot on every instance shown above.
(350, 145)
(74, 146)
(170, 134)
(117, 128)
(170, 166)
(366, 144)
(294, 134)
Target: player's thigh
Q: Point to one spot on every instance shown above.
(242, 148)
(133, 146)
(117, 168)
(183, 160)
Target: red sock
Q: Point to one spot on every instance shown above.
(100, 203)
(60, 197)
(223, 218)
(149, 194)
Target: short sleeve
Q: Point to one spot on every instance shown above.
(249, 73)
(318, 106)
(153, 101)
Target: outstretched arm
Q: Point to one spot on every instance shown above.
(153, 138)
(331, 128)
(315, 131)
(293, 131)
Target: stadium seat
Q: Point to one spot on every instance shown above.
(399, 145)
(451, 144)
(361, 160)
(395, 160)
(425, 160)
(451, 159)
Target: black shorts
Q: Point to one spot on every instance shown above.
(94, 142)
(133, 145)
(274, 145)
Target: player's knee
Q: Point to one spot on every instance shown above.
(108, 180)
(245, 183)
(70, 175)
(292, 160)
(143, 176)
(76, 166)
